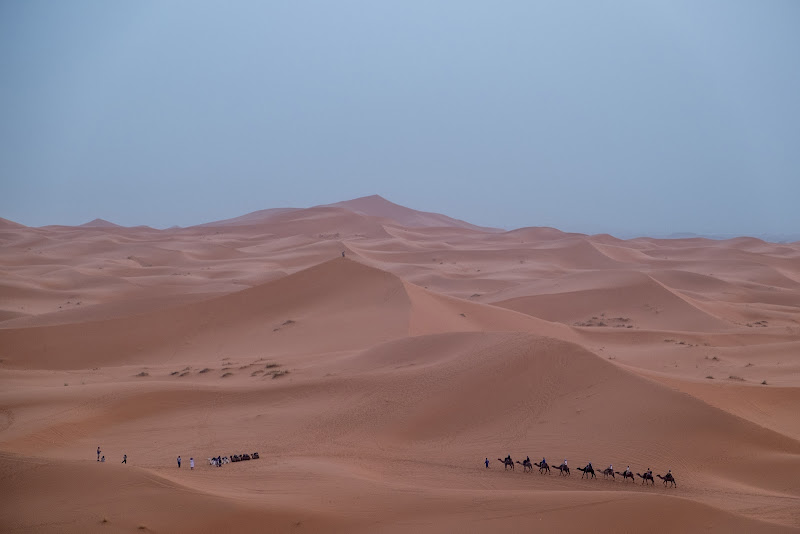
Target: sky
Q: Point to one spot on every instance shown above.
(622, 117)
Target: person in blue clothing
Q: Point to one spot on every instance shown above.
(487, 463)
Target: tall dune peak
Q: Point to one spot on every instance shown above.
(100, 223)
(377, 206)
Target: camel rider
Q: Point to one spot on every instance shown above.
(565, 461)
(543, 462)
(589, 466)
(508, 458)
(528, 459)
(669, 473)
(610, 467)
(628, 469)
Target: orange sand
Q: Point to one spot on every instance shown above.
(373, 386)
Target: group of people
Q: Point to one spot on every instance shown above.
(243, 457)
(191, 463)
(217, 461)
(103, 457)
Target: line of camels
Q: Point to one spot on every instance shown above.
(588, 471)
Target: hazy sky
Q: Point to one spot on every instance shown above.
(595, 116)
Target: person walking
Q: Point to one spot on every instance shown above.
(124, 458)
(487, 463)
(179, 462)
(191, 464)
(98, 453)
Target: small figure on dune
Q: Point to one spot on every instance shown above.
(103, 459)
(191, 463)
(124, 458)
(487, 463)
(98, 453)
(343, 253)
(179, 462)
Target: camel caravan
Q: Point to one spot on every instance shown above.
(218, 461)
(588, 471)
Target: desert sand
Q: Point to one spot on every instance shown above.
(374, 385)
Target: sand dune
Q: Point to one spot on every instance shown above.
(374, 385)
(636, 301)
(378, 206)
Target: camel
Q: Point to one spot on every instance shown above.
(608, 471)
(542, 467)
(645, 477)
(507, 463)
(526, 466)
(667, 479)
(563, 468)
(626, 475)
(587, 471)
